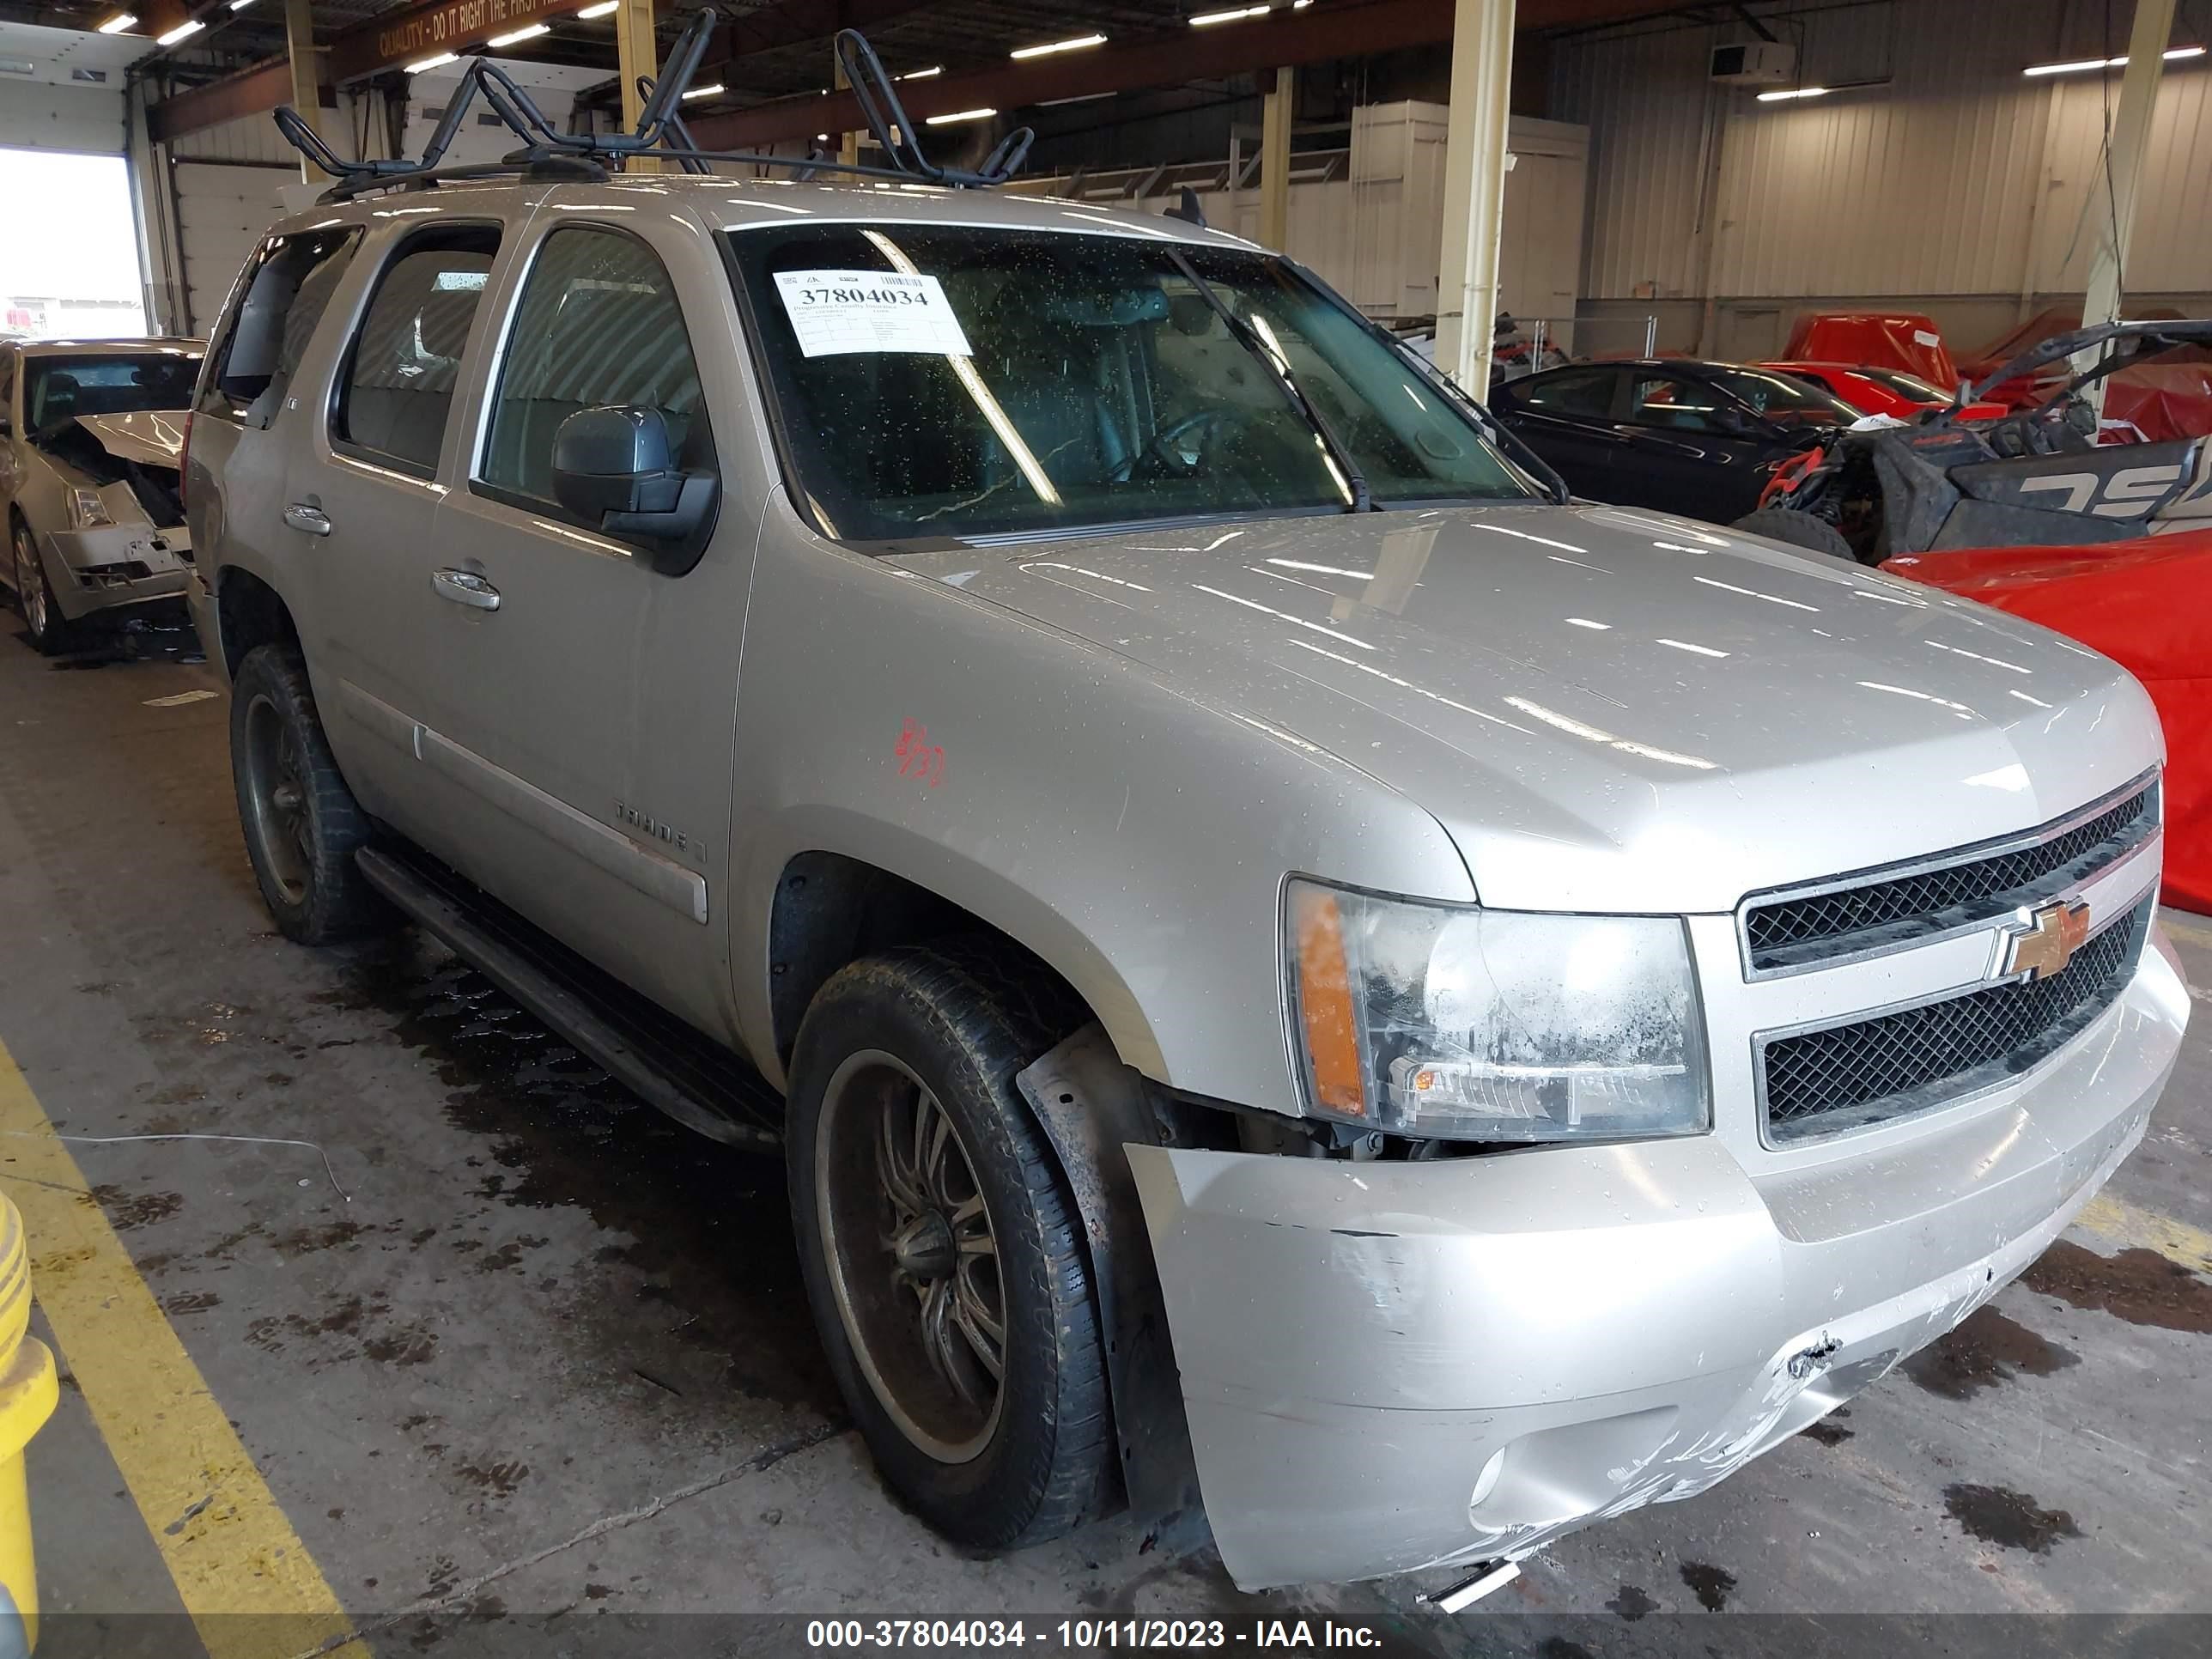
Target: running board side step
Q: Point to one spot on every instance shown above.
(649, 1051)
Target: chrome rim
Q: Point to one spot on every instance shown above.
(912, 1254)
(30, 590)
(275, 798)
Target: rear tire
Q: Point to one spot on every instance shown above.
(1783, 524)
(302, 825)
(50, 632)
(943, 1260)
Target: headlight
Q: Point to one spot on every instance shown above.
(1455, 1022)
(87, 510)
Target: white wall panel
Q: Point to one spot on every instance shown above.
(34, 115)
(222, 208)
(1957, 176)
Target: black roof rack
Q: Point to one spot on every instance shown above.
(660, 130)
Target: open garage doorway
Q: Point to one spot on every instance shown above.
(69, 258)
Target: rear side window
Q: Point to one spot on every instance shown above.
(397, 389)
(286, 291)
(599, 325)
(1587, 392)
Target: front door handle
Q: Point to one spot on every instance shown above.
(465, 588)
(312, 520)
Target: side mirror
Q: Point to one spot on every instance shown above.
(616, 468)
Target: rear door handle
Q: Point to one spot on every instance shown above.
(312, 520)
(465, 588)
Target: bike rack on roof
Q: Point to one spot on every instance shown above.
(660, 130)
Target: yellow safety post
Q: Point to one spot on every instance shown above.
(28, 1390)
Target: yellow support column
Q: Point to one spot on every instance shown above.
(1474, 190)
(307, 73)
(1276, 114)
(636, 52)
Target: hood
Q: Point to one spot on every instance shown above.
(151, 438)
(1607, 709)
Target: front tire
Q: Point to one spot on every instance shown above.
(302, 825)
(943, 1259)
(34, 595)
(1784, 524)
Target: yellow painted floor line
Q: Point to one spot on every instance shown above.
(249, 1583)
(2188, 931)
(2126, 1224)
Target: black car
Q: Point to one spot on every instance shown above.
(1694, 438)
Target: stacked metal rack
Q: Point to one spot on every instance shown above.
(660, 131)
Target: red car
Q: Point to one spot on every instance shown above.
(1884, 339)
(1872, 390)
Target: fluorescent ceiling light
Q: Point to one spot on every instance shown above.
(2082, 65)
(520, 35)
(1081, 98)
(599, 11)
(184, 31)
(1794, 92)
(705, 92)
(1206, 20)
(921, 75)
(1051, 47)
(117, 24)
(239, 5)
(439, 62)
(960, 115)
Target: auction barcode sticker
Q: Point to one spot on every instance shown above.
(834, 312)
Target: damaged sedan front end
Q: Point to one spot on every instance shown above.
(91, 473)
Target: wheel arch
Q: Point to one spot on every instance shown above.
(826, 904)
(250, 613)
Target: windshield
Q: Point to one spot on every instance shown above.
(960, 382)
(58, 389)
(1784, 399)
(1909, 385)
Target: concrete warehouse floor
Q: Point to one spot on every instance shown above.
(552, 1358)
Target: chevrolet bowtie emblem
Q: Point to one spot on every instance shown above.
(2054, 933)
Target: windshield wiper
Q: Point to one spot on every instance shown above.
(1355, 481)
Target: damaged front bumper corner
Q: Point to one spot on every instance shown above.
(1394, 1365)
(116, 566)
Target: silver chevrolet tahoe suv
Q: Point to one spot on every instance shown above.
(1306, 981)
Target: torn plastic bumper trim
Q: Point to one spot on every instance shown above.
(1392, 1366)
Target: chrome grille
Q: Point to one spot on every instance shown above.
(1873, 1071)
(1880, 911)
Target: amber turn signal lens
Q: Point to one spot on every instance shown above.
(1325, 1008)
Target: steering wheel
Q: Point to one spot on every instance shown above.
(1162, 446)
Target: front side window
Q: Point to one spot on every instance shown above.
(1583, 393)
(959, 381)
(599, 325)
(397, 389)
(56, 390)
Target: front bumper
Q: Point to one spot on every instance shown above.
(115, 567)
(1394, 1365)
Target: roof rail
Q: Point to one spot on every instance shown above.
(659, 131)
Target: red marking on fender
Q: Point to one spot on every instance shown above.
(918, 757)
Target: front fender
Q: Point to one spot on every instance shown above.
(1134, 837)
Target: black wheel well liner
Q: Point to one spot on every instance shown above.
(251, 613)
(831, 909)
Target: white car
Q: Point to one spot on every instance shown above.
(90, 436)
